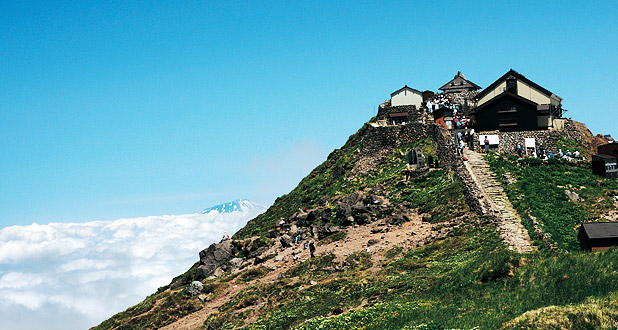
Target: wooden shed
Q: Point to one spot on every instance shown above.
(604, 165)
(610, 149)
(444, 116)
(596, 236)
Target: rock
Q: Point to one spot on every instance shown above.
(218, 272)
(278, 258)
(236, 262)
(293, 229)
(362, 219)
(573, 196)
(202, 297)
(180, 282)
(280, 277)
(286, 241)
(195, 288)
(372, 241)
(215, 256)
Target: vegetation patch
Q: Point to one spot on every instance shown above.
(539, 191)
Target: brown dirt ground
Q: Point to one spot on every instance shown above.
(408, 235)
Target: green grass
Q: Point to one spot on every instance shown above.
(471, 281)
(332, 179)
(539, 191)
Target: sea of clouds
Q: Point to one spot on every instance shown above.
(75, 275)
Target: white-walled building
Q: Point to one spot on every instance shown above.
(406, 96)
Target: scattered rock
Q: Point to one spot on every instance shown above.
(573, 196)
(195, 288)
(372, 241)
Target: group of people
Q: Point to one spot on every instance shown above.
(465, 139)
(280, 225)
(542, 153)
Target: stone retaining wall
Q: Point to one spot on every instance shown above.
(447, 153)
(391, 137)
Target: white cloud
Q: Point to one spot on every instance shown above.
(75, 275)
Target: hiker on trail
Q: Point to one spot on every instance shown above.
(560, 153)
(298, 236)
(312, 249)
(486, 144)
(280, 224)
(408, 171)
(225, 237)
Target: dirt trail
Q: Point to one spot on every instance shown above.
(408, 235)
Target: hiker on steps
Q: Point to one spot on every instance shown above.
(486, 144)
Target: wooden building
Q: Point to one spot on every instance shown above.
(604, 165)
(595, 236)
(610, 149)
(515, 103)
(459, 84)
(444, 116)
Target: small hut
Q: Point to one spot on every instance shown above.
(596, 236)
(604, 165)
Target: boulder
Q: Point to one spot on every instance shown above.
(236, 262)
(372, 241)
(573, 196)
(286, 241)
(215, 256)
(180, 282)
(195, 288)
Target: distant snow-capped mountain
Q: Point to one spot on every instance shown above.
(242, 205)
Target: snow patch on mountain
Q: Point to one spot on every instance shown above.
(240, 205)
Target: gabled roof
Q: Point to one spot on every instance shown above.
(600, 229)
(405, 87)
(459, 82)
(520, 77)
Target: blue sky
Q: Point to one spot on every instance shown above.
(111, 110)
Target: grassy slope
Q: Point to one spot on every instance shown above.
(539, 191)
(467, 280)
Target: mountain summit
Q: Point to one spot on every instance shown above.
(241, 205)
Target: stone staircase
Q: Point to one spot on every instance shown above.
(511, 230)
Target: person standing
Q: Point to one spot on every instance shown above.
(486, 144)
(312, 249)
(520, 150)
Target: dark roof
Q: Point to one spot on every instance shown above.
(608, 144)
(519, 76)
(398, 114)
(499, 97)
(459, 82)
(405, 87)
(606, 157)
(600, 229)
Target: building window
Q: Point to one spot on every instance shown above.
(506, 122)
(511, 86)
(507, 109)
